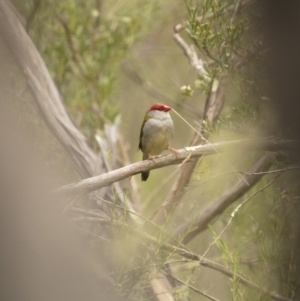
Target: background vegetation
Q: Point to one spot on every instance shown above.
(110, 61)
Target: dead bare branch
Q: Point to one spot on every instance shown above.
(190, 53)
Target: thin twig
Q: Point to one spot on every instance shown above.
(217, 267)
(90, 212)
(147, 86)
(237, 209)
(249, 174)
(231, 8)
(216, 207)
(32, 14)
(75, 56)
(193, 288)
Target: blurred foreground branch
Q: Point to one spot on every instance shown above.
(179, 249)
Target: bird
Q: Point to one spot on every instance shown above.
(156, 134)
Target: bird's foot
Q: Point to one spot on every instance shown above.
(152, 158)
(174, 151)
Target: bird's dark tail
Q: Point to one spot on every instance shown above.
(145, 174)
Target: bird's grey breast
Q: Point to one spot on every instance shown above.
(158, 134)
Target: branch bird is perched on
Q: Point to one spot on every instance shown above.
(156, 134)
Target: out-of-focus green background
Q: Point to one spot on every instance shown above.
(117, 58)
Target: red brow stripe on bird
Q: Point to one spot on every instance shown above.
(160, 107)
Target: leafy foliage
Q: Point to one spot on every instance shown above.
(83, 43)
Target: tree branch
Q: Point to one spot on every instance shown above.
(217, 206)
(91, 184)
